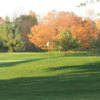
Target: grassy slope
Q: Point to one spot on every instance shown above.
(32, 76)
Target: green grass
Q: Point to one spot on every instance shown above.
(49, 76)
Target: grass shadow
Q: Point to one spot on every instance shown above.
(9, 64)
(67, 86)
(79, 54)
(89, 67)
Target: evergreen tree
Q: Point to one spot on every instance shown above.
(67, 41)
(10, 36)
(95, 43)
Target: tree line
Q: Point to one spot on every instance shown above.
(63, 30)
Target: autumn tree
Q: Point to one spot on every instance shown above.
(60, 20)
(84, 30)
(41, 34)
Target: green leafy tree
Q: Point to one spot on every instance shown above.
(67, 42)
(10, 36)
(95, 43)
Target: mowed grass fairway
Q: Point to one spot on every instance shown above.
(35, 76)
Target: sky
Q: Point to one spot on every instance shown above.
(41, 7)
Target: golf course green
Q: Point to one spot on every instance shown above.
(49, 76)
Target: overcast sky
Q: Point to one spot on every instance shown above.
(41, 7)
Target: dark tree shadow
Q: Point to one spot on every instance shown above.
(80, 54)
(90, 67)
(10, 64)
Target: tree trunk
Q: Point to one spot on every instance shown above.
(64, 53)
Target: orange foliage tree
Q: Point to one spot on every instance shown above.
(84, 30)
(54, 23)
(41, 34)
(60, 20)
